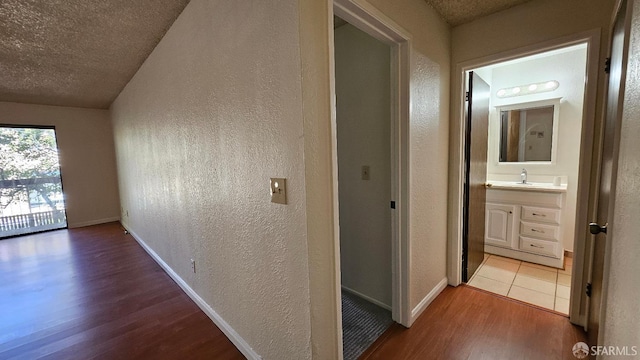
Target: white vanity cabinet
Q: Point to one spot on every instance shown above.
(523, 222)
(499, 225)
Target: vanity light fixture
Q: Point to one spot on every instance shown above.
(528, 89)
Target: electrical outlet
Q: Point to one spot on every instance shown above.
(193, 266)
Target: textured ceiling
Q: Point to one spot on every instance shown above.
(457, 12)
(83, 52)
(77, 52)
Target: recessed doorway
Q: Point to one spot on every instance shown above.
(521, 244)
(363, 118)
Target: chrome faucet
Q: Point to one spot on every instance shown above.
(523, 176)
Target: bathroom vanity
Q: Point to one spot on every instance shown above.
(523, 221)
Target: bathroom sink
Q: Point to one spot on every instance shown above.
(529, 186)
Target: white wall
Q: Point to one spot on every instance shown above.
(568, 68)
(429, 145)
(428, 151)
(363, 112)
(621, 318)
(87, 157)
(211, 115)
(205, 123)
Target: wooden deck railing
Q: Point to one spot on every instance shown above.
(33, 220)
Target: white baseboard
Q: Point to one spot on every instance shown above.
(235, 338)
(365, 297)
(92, 222)
(417, 311)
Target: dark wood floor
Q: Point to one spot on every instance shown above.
(95, 293)
(467, 323)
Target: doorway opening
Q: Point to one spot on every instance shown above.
(31, 196)
(363, 127)
(522, 175)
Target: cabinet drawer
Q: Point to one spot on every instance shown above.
(542, 247)
(542, 231)
(551, 216)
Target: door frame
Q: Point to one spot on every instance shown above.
(456, 173)
(373, 22)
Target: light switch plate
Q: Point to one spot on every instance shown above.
(279, 190)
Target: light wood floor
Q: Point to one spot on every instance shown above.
(95, 293)
(468, 323)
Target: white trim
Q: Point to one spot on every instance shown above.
(456, 173)
(367, 298)
(335, 201)
(367, 18)
(93, 222)
(419, 309)
(235, 338)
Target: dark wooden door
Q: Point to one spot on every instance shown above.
(475, 192)
(615, 94)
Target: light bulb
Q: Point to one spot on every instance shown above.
(533, 87)
(516, 90)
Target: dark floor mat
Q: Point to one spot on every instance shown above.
(362, 323)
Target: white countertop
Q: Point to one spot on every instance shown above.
(531, 186)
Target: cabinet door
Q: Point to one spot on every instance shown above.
(499, 225)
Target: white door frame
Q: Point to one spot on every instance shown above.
(456, 174)
(370, 20)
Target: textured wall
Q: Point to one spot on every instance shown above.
(568, 68)
(429, 144)
(622, 318)
(87, 158)
(212, 114)
(527, 24)
(363, 112)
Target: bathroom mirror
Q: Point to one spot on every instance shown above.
(527, 133)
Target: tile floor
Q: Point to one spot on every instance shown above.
(532, 283)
